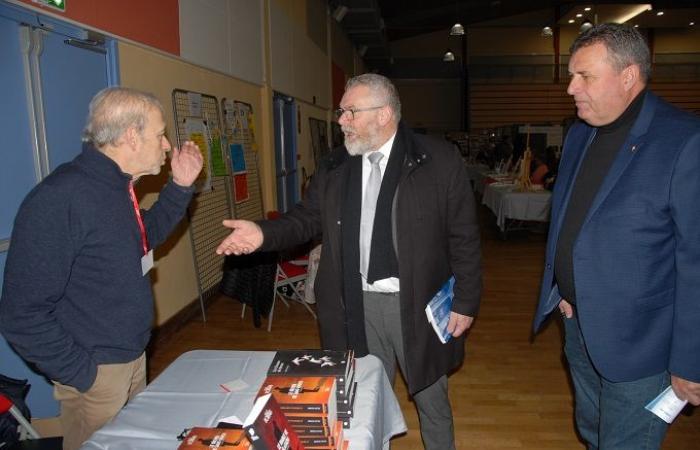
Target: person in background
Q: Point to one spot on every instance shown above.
(623, 253)
(76, 299)
(540, 169)
(398, 218)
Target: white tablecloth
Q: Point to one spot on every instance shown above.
(507, 203)
(188, 394)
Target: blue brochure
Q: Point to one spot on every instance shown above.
(439, 308)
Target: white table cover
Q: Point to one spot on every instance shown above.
(188, 393)
(507, 203)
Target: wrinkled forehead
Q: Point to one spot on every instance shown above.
(356, 96)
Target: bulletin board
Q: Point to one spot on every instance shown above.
(239, 130)
(198, 119)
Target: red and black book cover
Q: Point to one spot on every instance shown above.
(302, 395)
(332, 442)
(267, 427)
(202, 438)
(314, 363)
(306, 420)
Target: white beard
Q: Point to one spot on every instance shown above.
(364, 144)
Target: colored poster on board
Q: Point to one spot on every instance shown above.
(240, 187)
(195, 131)
(237, 158)
(217, 157)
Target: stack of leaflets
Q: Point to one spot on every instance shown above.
(201, 438)
(316, 363)
(439, 308)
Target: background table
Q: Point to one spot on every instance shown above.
(188, 394)
(507, 203)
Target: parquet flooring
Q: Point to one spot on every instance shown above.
(511, 393)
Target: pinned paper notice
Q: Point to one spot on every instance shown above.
(666, 405)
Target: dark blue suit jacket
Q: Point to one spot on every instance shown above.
(637, 256)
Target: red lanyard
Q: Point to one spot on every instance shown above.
(139, 220)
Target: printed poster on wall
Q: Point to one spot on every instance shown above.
(195, 131)
(217, 157)
(237, 158)
(240, 187)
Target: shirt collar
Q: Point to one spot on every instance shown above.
(385, 149)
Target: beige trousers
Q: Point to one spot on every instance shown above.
(83, 413)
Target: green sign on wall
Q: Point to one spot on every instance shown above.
(57, 4)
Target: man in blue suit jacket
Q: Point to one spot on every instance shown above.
(623, 255)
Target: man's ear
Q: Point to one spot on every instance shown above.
(385, 114)
(130, 137)
(630, 76)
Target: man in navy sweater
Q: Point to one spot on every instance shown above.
(77, 300)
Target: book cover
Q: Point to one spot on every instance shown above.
(439, 308)
(306, 420)
(267, 427)
(313, 363)
(202, 438)
(316, 395)
(332, 442)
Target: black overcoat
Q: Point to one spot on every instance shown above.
(435, 235)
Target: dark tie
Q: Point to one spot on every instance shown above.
(369, 205)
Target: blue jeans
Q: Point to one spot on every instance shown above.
(611, 416)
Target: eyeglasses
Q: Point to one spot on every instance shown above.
(340, 111)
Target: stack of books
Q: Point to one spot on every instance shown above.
(265, 428)
(316, 390)
(201, 438)
(315, 363)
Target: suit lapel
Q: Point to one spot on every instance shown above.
(632, 146)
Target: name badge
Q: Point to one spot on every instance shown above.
(147, 262)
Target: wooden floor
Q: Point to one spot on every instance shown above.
(511, 393)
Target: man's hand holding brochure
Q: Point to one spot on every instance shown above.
(439, 308)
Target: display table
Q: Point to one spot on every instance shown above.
(188, 393)
(507, 203)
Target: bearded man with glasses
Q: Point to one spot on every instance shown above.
(398, 219)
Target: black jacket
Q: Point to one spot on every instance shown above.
(435, 233)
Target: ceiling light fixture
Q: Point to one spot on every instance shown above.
(448, 56)
(457, 30)
(547, 32)
(571, 21)
(587, 8)
(660, 13)
(579, 15)
(586, 25)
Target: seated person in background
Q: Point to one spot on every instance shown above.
(539, 168)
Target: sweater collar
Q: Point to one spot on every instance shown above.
(98, 165)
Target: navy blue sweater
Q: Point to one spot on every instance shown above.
(74, 295)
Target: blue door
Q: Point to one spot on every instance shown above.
(286, 152)
(50, 70)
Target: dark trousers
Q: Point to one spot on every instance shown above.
(384, 338)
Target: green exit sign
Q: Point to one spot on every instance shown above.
(57, 4)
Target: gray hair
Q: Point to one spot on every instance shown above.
(113, 111)
(625, 45)
(380, 87)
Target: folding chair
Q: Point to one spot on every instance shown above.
(26, 429)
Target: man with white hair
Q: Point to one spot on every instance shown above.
(397, 217)
(77, 300)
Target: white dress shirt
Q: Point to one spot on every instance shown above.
(387, 284)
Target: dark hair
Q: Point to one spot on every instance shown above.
(625, 45)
